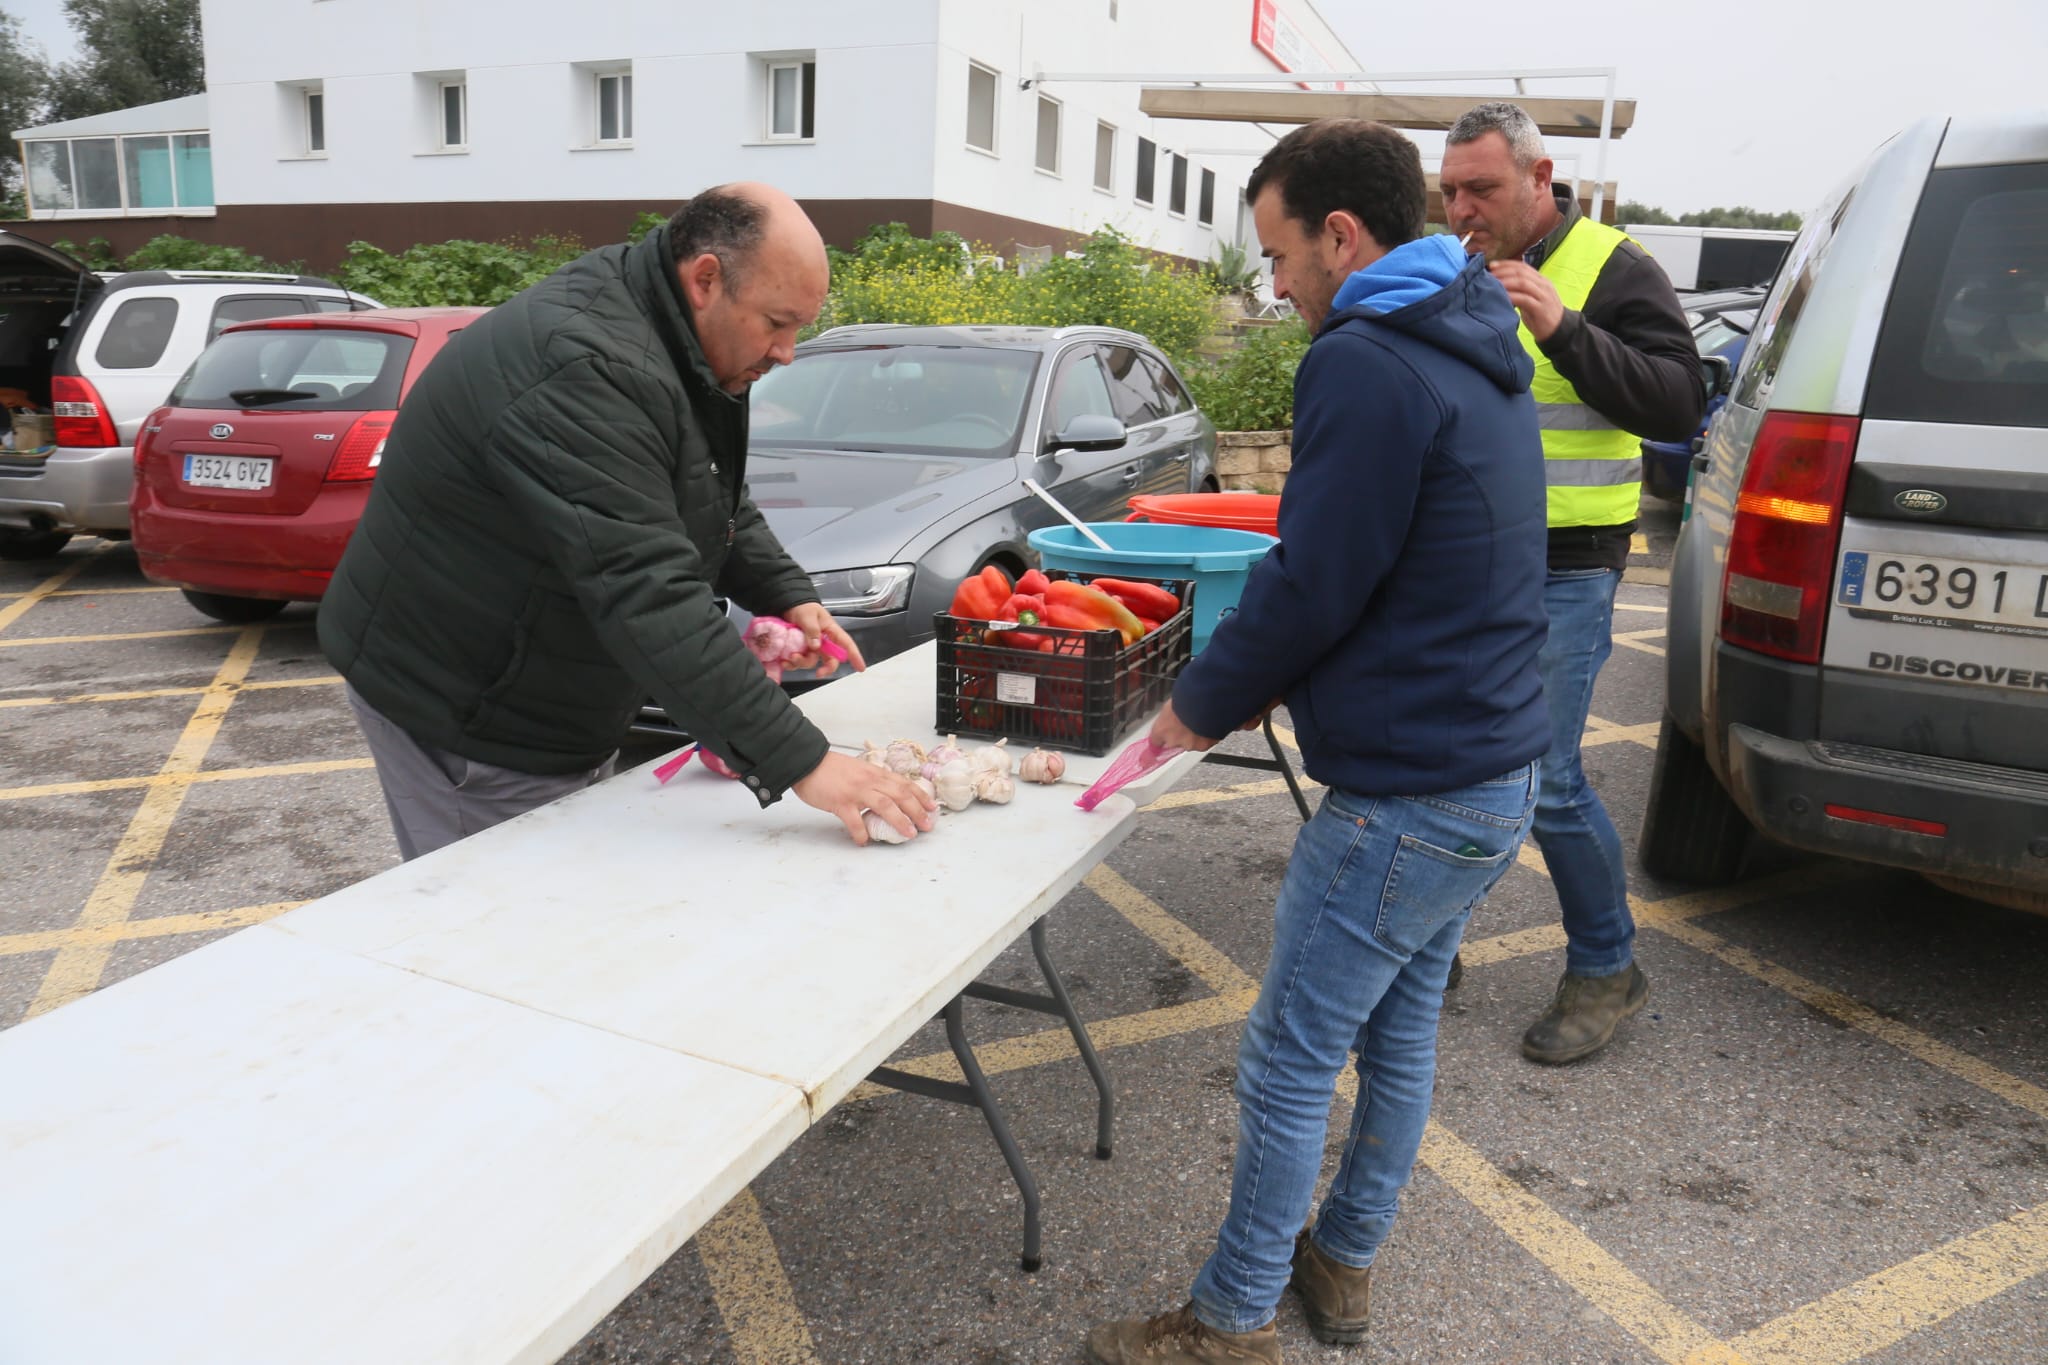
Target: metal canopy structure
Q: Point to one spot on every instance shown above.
(1206, 96)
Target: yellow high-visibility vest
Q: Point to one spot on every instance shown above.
(1593, 469)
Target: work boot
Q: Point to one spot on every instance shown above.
(1335, 1298)
(1583, 1016)
(1179, 1338)
(1457, 972)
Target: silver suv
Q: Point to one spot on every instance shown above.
(1858, 633)
(97, 353)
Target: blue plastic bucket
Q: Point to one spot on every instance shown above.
(1216, 558)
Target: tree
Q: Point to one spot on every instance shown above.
(131, 52)
(1740, 216)
(1634, 212)
(24, 76)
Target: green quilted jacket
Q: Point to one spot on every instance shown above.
(559, 503)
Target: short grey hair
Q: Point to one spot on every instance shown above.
(720, 222)
(1510, 120)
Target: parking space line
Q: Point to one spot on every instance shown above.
(1179, 942)
(181, 780)
(1209, 796)
(125, 635)
(752, 1288)
(162, 926)
(91, 592)
(1545, 938)
(1640, 606)
(47, 588)
(1610, 733)
(76, 971)
(152, 694)
(1561, 1248)
(1893, 1304)
(1634, 639)
(1852, 1012)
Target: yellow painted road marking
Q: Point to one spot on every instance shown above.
(1571, 1255)
(1639, 606)
(1639, 544)
(47, 588)
(1209, 796)
(162, 926)
(1854, 1013)
(1047, 1046)
(753, 1290)
(77, 970)
(151, 694)
(90, 592)
(1546, 938)
(1634, 639)
(1181, 943)
(1644, 734)
(1893, 1304)
(181, 780)
(125, 635)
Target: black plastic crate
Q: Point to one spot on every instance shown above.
(1083, 696)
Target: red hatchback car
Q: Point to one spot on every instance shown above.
(251, 477)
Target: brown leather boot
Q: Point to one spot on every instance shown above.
(1336, 1299)
(1179, 1338)
(1584, 1014)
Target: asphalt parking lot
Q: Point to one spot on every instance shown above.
(1825, 1140)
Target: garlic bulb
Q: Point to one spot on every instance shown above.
(954, 785)
(870, 754)
(947, 752)
(991, 758)
(880, 831)
(924, 784)
(903, 757)
(994, 787)
(1042, 765)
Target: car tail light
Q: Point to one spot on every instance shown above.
(142, 435)
(81, 418)
(362, 450)
(1781, 549)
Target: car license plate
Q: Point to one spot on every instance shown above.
(1960, 594)
(228, 471)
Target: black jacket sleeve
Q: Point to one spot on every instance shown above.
(759, 574)
(1630, 353)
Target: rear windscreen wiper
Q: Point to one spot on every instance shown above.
(256, 398)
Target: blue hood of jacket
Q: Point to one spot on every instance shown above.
(1430, 289)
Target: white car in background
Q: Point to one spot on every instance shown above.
(97, 353)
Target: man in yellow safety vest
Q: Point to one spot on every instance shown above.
(1615, 364)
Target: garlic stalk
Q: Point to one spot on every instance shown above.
(1042, 765)
(994, 787)
(954, 785)
(870, 754)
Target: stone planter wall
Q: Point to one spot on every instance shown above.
(1253, 461)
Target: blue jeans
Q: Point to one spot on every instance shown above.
(1370, 913)
(1572, 828)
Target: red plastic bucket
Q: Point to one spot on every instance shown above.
(1237, 511)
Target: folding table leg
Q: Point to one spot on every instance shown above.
(985, 1100)
(1105, 1098)
(1287, 772)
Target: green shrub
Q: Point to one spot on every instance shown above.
(96, 254)
(1252, 389)
(182, 253)
(1233, 271)
(458, 273)
(893, 277)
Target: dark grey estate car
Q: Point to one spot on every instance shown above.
(891, 460)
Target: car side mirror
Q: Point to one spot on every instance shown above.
(1717, 376)
(1089, 432)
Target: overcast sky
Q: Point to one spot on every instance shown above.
(1760, 102)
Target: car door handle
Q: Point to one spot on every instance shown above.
(1131, 474)
(1180, 457)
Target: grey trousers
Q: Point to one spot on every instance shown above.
(435, 797)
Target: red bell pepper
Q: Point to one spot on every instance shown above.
(981, 597)
(1025, 609)
(1144, 599)
(1076, 606)
(1033, 582)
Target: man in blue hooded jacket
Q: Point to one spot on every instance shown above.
(1400, 619)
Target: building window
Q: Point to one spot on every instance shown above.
(1105, 158)
(1205, 207)
(1148, 154)
(615, 106)
(1048, 135)
(313, 103)
(148, 173)
(454, 116)
(981, 107)
(1177, 189)
(792, 95)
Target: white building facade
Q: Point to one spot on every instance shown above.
(398, 121)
